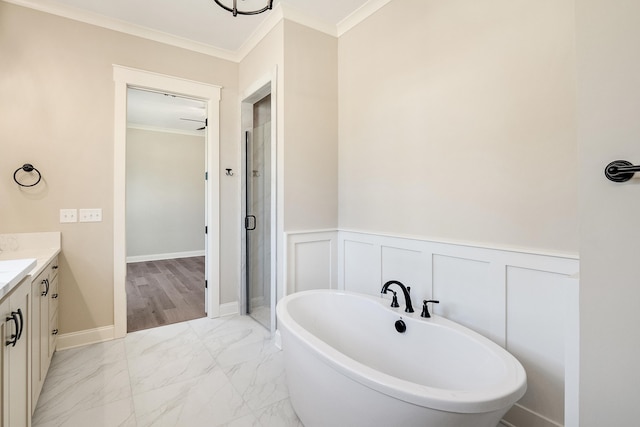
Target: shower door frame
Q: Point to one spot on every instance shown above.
(259, 90)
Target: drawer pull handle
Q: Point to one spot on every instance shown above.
(14, 337)
(21, 324)
(46, 289)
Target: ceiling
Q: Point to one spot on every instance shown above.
(165, 112)
(204, 26)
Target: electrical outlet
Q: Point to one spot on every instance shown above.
(90, 215)
(68, 215)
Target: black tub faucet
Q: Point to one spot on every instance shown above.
(405, 291)
(425, 310)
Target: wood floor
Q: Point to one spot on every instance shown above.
(164, 292)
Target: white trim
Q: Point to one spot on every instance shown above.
(359, 15)
(86, 337)
(124, 78)
(479, 245)
(263, 29)
(531, 417)
(302, 18)
(165, 130)
(125, 27)
(229, 309)
(278, 13)
(160, 257)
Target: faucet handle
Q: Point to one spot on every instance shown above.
(425, 310)
(394, 300)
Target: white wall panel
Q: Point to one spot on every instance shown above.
(468, 296)
(311, 260)
(410, 268)
(362, 267)
(536, 306)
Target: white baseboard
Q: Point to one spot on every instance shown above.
(82, 338)
(229, 309)
(521, 416)
(160, 257)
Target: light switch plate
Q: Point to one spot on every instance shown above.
(90, 215)
(68, 215)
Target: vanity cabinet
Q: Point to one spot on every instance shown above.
(15, 330)
(44, 330)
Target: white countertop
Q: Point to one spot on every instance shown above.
(25, 254)
(12, 272)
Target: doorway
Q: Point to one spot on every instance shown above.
(125, 78)
(259, 202)
(165, 208)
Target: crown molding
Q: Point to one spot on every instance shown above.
(124, 27)
(359, 15)
(278, 13)
(263, 29)
(307, 20)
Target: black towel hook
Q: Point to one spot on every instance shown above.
(620, 170)
(27, 167)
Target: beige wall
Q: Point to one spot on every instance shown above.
(56, 81)
(608, 129)
(457, 123)
(306, 124)
(165, 193)
(310, 129)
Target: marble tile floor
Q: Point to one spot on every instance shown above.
(204, 372)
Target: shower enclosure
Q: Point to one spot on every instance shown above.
(259, 297)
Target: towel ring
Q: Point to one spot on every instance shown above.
(27, 168)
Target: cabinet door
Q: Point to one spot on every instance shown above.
(5, 333)
(36, 371)
(53, 319)
(20, 358)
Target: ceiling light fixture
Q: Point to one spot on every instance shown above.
(236, 12)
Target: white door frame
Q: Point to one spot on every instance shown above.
(125, 77)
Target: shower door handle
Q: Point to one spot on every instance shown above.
(246, 222)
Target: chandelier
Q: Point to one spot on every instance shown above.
(236, 12)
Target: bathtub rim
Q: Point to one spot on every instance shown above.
(499, 396)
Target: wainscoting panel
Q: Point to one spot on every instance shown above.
(468, 296)
(312, 261)
(526, 302)
(536, 307)
(407, 266)
(361, 266)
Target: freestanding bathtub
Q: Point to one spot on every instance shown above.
(347, 366)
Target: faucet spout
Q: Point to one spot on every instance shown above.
(405, 290)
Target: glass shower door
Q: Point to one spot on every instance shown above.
(258, 223)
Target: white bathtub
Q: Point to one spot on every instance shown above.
(347, 366)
